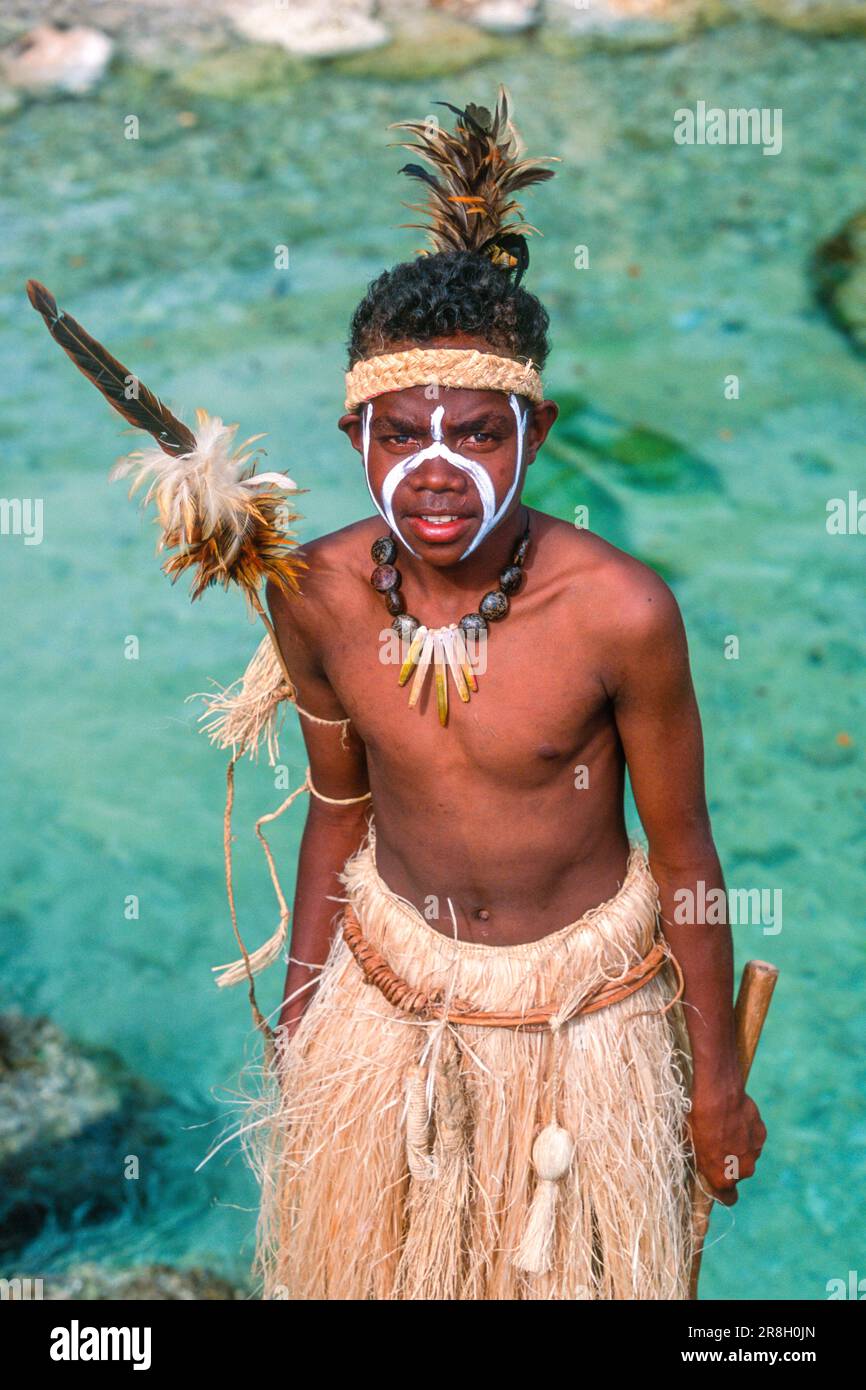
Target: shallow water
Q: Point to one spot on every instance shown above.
(164, 248)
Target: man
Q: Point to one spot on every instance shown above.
(485, 852)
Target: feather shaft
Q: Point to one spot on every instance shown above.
(120, 387)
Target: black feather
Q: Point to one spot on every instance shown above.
(416, 172)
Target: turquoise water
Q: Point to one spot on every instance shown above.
(698, 269)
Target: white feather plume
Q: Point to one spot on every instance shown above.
(206, 491)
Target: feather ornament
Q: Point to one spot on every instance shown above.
(478, 168)
(225, 522)
(228, 524)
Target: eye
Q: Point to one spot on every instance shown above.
(399, 438)
(481, 437)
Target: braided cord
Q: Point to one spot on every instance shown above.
(466, 367)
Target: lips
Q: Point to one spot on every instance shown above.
(439, 531)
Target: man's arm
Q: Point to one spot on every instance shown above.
(331, 833)
(659, 724)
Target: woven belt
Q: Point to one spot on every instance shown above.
(404, 996)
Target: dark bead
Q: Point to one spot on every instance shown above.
(406, 626)
(394, 601)
(521, 551)
(383, 551)
(494, 605)
(473, 622)
(385, 577)
(510, 579)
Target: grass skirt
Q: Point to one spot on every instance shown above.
(395, 1159)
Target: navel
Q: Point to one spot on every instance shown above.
(547, 750)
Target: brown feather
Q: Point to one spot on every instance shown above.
(470, 205)
(109, 376)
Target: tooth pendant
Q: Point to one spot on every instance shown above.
(444, 650)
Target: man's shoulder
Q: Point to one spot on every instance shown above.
(333, 564)
(348, 546)
(622, 590)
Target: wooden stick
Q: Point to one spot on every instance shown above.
(753, 1000)
(257, 605)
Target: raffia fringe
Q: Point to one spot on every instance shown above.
(466, 367)
(244, 713)
(397, 1157)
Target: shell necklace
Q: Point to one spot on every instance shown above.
(452, 648)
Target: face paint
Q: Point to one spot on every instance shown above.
(487, 526)
(439, 449)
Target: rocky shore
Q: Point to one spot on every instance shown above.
(66, 46)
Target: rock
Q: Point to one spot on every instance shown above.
(99, 1283)
(498, 16)
(240, 72)
(431, 45)
(10, 100)
(839, 278)
(632, 23)
(67, 1117)
(63, 60)
(311, 28)
(834, 17)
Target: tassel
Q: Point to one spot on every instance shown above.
(451, 1109)
(419, 1157)
(430, 1267)
(236, 972)
(552, 1153)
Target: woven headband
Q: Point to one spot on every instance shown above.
(466, 367)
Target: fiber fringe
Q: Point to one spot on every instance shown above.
(361, 1199)
(245, 714)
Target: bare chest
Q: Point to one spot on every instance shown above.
(540, 704)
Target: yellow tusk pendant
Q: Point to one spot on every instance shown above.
(412, 655)
(441, 679)
(463, 658)
(451, 657)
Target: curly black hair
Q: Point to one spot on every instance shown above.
(445, 293)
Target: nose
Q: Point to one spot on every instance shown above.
(438, 474)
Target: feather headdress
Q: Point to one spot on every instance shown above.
(470, 205)
(223, 520)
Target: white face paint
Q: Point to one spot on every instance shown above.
(491, 516)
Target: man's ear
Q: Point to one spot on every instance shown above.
(541, 418)
(351, 425)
